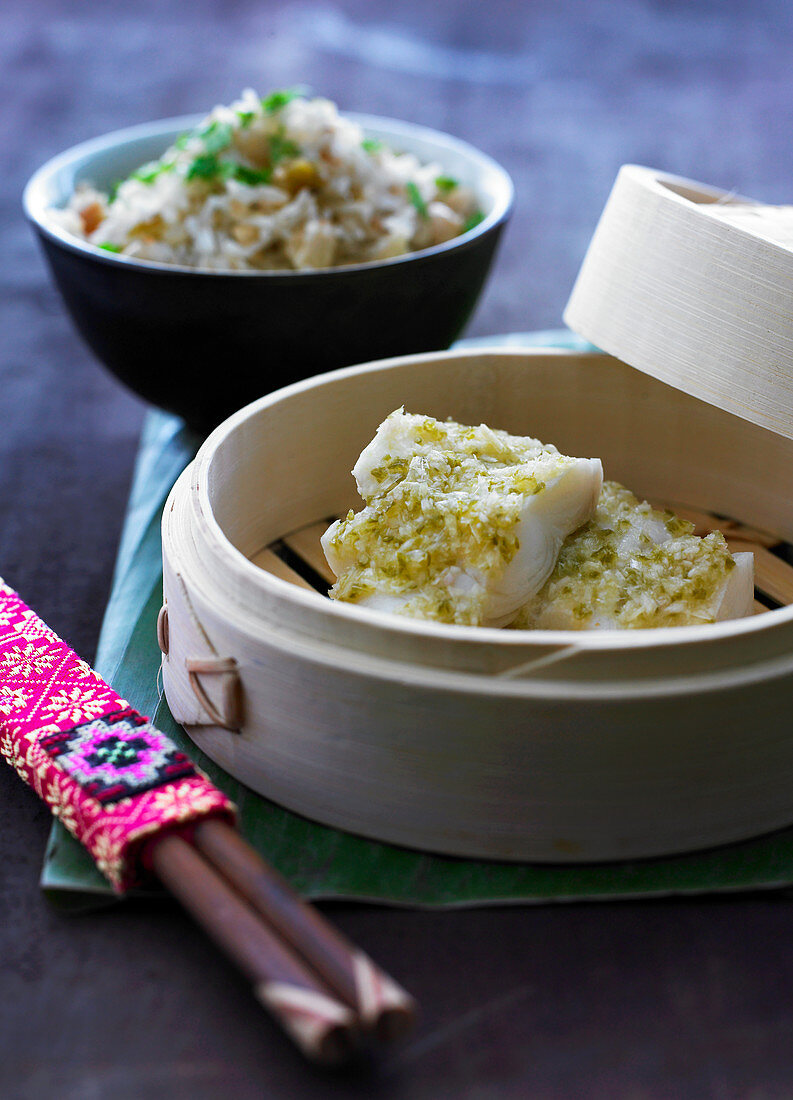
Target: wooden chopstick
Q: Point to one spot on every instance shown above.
(324, 1028)
(382, 1006)
(321, 989)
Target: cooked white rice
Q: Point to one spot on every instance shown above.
(277, 183)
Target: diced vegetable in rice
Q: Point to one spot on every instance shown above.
(279, 183)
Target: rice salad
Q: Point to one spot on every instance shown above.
(280, 183)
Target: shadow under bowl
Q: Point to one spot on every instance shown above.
(204, 343)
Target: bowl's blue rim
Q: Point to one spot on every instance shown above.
(35, 208)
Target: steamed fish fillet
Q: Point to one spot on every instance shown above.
(633, 566)
(460, 524)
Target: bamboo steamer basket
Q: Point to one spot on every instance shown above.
(515, 745)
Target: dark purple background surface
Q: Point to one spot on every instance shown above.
(637, 1001)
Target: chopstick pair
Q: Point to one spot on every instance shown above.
(131, 797)
(326, 994)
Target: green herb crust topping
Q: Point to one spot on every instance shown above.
(441, 518)
(632, 566)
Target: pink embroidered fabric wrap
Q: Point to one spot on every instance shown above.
(105, 771)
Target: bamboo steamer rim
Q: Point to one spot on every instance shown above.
(692, 285)
(237, 570)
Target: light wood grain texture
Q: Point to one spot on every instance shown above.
(705, 522)
(503, 744)
(305, 543)
(268, 560)
(692, 285)
(773, 576)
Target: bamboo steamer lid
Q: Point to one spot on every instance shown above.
(694, 286)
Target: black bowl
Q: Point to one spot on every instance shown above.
(203, 343)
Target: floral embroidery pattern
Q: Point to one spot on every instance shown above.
(117, 756)
(110, 776)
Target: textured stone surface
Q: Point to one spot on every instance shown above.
(670, 1000)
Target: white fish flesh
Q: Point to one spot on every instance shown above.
(460, 524)
(631, 566)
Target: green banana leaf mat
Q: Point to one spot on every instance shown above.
(319, 861)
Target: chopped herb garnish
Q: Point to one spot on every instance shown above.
(415, 197)
(371, 145)
(113, 191)
(204, 167)
(251, 176)
(446, 183)
(108, 247)
(217, 136)
(473, 220)
(182, 140)
(276, 100)
(281, 147)
(148, 173)
(246, 118)
(208, 167)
